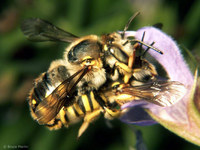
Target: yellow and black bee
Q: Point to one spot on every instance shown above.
(80, 86)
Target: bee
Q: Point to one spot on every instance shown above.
(73, 88)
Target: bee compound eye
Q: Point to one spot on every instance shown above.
(118, 54)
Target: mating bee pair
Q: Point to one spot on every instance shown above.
(95, 76)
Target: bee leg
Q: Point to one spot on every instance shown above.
(54, 124)
(111, 113)
(115, 75)
(127, 69)
(89, 117)
(131, 59)
(124, 67)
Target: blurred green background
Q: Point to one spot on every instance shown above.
(21, 61)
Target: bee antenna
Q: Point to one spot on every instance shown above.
(129, 22)
(148, 49)
(148, 46)
(140, 49)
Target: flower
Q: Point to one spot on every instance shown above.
(181, 118)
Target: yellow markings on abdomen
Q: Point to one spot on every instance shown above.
(78, 109)
(62, 117)
(71, 115)
(93, 100)
(86, 103)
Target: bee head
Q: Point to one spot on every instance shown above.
(113, 49)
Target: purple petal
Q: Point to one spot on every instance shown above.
(177, 69)
(138, 116)
(174, 65)
(182, 117)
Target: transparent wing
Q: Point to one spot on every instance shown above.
(49, 107)
(163, 93)
(40, 30)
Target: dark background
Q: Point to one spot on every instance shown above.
(21, 61)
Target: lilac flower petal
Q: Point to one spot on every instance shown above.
(140, 103)
(174, 64)
(138, 116)
(181, 118)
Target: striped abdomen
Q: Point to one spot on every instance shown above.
(86, 104)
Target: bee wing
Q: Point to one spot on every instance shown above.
(40, 30)
(163, 93)
(49, 107)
